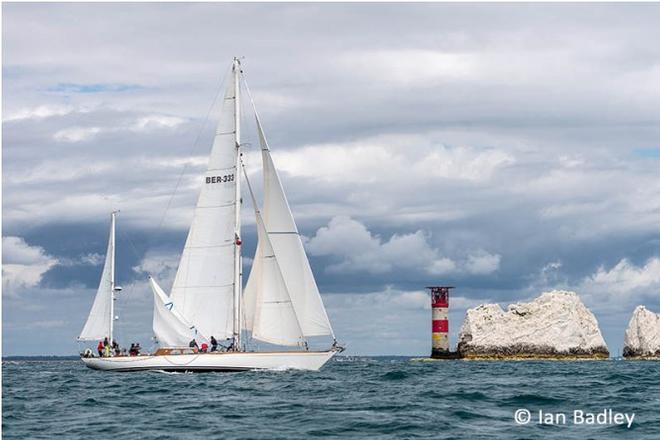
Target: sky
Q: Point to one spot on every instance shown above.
(505, 149)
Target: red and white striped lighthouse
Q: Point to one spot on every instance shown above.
(440, 321)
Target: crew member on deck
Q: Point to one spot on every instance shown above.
(214, 344)
(99, 348)
(194, 346)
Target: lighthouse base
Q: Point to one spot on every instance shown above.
(445, 354)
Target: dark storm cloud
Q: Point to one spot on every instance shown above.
(506, 149)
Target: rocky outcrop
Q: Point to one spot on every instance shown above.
(642, 338)
(555, 325)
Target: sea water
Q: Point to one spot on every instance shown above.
(351, 397)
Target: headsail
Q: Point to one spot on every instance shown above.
(204, 283)
(98, 321)
(170, 327)
(272, 316)
(292, 261)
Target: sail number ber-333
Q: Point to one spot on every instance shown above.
(220, 179)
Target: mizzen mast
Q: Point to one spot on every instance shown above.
(113, 287)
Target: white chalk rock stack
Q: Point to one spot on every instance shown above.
(642, 335)
(555, 325)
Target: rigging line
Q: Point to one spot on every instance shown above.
(192, 149)
(124, 236)
(256, 114)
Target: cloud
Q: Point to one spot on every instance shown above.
(359, 250)
(410, 67)
(482, 263)
(143, 123)
(40, 112)
(625, 279)
(93, 88)
(76, 134)
(394, 157)
(91, 259)
(23, 265)
(161, 265)
(157, 121)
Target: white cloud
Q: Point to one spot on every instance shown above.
(359, 250)
(410, 67)
(91, 259)
(625, 279)
(392, 158)
(548, 277)
(441, 266)
(23, 265)
(60, 170)
(76, 134)
(482, 262)
(141, 124)
(159, 264)
(415, 300)
(151, 122)
(272, 102)
(40, 112)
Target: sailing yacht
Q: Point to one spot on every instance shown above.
(280, 304)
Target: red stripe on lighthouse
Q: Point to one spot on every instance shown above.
(440, 326)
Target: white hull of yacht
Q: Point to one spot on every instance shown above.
(232, 361)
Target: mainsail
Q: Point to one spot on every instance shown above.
(204, 283)
(283, 240)
(99, 323)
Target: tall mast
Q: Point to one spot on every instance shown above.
(237, 229)
(112, 274)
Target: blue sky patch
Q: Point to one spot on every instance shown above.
(647, 152)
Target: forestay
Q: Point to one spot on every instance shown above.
(205, 278)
